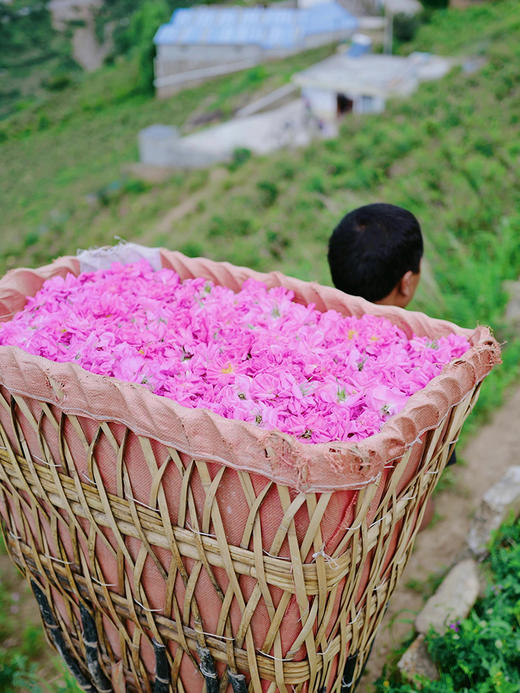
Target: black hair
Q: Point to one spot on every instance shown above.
(372, 247)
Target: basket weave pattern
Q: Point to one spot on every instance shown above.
(85, 545)
(170, 549)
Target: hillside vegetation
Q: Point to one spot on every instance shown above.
(34, 58)
(449, 153)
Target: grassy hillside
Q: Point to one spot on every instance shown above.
(450, 154)
(75, 145)
(34, 58)
(37, 60)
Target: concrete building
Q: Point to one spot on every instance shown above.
(262, 133)
(358, 8)
(345, 84)
(363, 8)
(203, 42)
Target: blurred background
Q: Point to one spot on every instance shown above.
(244, 132)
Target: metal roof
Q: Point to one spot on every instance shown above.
(269, 27)
(366, 74)
(380, 75)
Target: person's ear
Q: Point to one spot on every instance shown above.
(406, 286)
(403, 291)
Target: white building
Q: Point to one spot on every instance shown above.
(202, 42)
(261, 133)
(345, 84)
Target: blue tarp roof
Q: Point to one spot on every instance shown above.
(269, 27)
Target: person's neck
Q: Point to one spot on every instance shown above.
(394, 298)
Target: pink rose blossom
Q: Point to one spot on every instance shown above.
(256, 355)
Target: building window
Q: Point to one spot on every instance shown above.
(367, 103)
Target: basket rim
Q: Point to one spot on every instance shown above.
(203, 434)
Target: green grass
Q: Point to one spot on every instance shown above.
(87, 135)
(25, 664)
(466, 32)
(427, 586)
(481, 653)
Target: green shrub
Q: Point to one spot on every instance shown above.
(316, 184)
(277, 243)
(135, 186)
(268, 192)
(480, 654)
(405, 26)
(240, 156)
(435, 4)
(136, 38)
(16, 673)
(286, 169)
(192, 249)
(43, 122)
(218, 226)
(31, 238)
(58, 82)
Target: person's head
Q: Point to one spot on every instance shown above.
(375, 252)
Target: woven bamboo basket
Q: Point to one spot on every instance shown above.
(172, 550)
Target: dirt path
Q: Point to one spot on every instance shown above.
(488, 454)
(188, 205)
(86, 48)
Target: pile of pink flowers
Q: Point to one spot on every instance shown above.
(255, 355)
